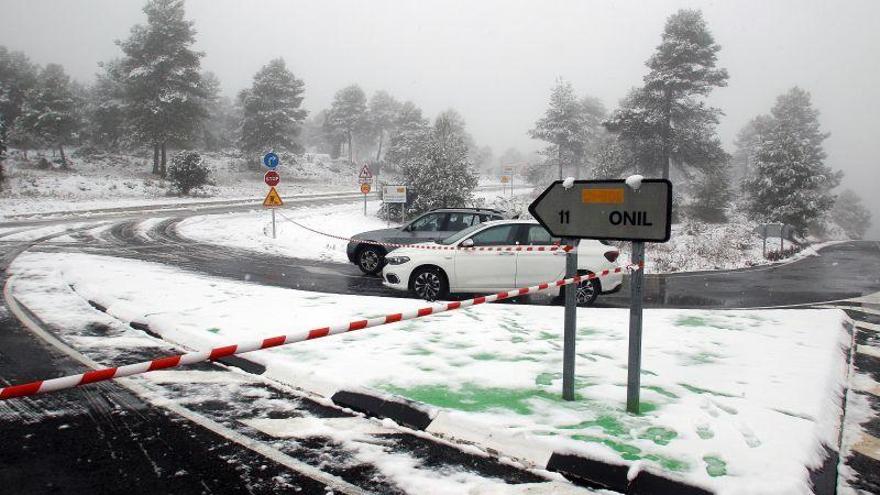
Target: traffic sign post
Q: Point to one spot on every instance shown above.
(635, 209)
(365, 189)
(634, 356)
(569, 334)
(365, 177)
(271, 178)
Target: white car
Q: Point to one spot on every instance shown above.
(434, 273)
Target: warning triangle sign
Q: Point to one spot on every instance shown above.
(272, 200)
(365, 172)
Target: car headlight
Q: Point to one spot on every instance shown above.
(396, 260)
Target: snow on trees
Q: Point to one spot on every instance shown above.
(851, 215)
(347, 116)
(666, 121)
(17, 76)
(107, 125)
(443, 176)
(381, 116)
(50, 112)
(272, 116)
(409, 141)
(164, 92)
(188, 171)
(788, 181)
(560, 125)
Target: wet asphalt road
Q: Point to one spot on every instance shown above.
(840, 271)
(55, 444)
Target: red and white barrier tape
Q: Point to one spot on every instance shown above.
(99, 375)
(429, 246)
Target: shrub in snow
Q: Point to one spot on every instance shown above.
(187, 171)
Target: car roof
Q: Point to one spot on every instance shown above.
(508, 221)
(466, 209)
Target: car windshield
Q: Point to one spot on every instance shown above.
(460, 235)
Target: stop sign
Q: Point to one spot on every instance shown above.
(272, 178)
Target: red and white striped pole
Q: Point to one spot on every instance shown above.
(99, 375)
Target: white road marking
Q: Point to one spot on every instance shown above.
(315, 427)
(333, 482)
(869, 350)
(864, 325)
(868, 446)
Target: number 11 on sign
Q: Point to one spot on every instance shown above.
(564, 216)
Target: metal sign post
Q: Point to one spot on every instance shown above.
(570, 329)
(365, 177)
(634, 359)
(636, 209)
(271, 178)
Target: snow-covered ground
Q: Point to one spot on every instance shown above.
(120, 180)
(253, 230)
(736, 401)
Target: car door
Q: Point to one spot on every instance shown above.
(487, 269)
(534, 267)
(428, 227)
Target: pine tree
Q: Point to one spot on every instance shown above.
(666, 121)
(712, 194)
(409, 140)
(106, 122)
(347, 115)
(851, 215)
(788, 181)
(443, 176)
(592, 113)
(381, 116)
(746, 142)
(17, 76)
(221, 130)
(164, 94)
(272, 117)
(561, 124)
(50, 113)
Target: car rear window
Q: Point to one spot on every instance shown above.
(460, 221)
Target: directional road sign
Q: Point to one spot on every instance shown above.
(270, 160)
(606, 209)
(273, 200)
(271, 178)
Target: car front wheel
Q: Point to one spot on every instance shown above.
(370, 260)
(587, 292)
(429, 284)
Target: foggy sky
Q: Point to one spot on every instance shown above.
(496, 61)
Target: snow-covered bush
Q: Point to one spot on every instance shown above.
(696, 245)
(187, 171)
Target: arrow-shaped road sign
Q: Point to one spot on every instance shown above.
(606, 209)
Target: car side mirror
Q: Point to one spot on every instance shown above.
(467, 243)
